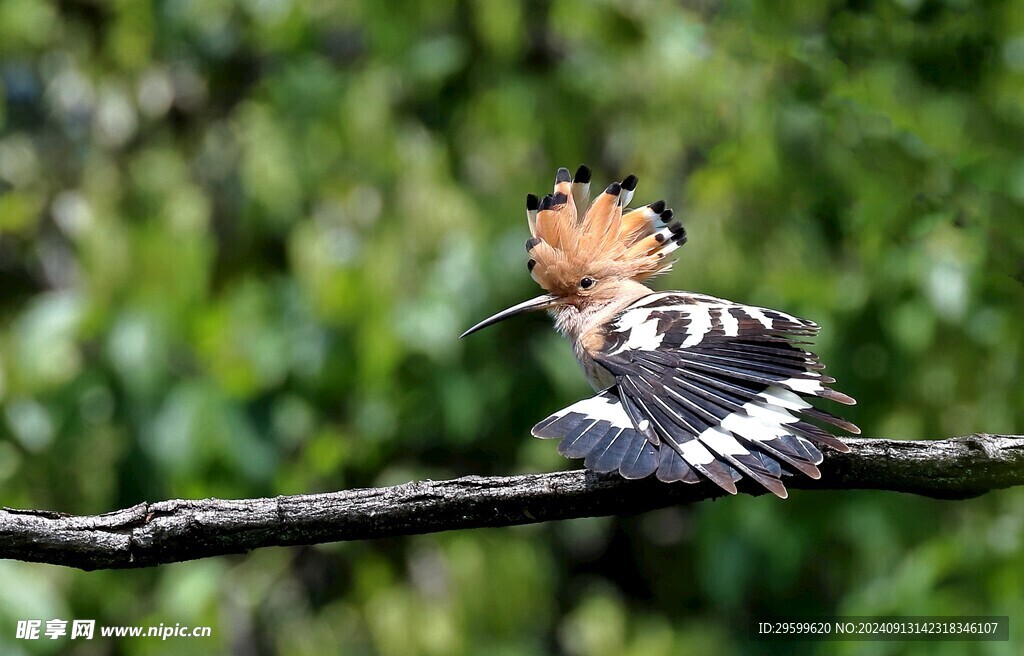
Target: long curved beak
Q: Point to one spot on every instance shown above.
(539, 303)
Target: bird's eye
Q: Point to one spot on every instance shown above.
(586, 283)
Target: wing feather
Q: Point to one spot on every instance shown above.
(704, 389)
(672, 468)
(723, 386)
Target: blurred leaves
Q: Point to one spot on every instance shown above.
(238, 242)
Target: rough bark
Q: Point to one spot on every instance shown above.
(176, 530)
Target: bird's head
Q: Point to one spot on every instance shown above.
(586, 257)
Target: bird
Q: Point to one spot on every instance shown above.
(690, 387)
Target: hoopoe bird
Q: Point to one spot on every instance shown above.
(689, 386)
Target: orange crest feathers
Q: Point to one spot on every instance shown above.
(569, 240)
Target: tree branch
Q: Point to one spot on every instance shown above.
(177, 530)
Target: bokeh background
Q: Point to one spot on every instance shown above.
(239, 240)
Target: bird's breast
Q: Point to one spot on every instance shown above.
(598, 377)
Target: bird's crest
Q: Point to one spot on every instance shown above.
(568, 238)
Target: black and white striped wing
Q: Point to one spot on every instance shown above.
(719, 389)
(599, 430)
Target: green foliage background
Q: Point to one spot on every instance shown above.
(238, 241)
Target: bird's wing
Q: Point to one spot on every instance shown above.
(599, 430)
(716, 388)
